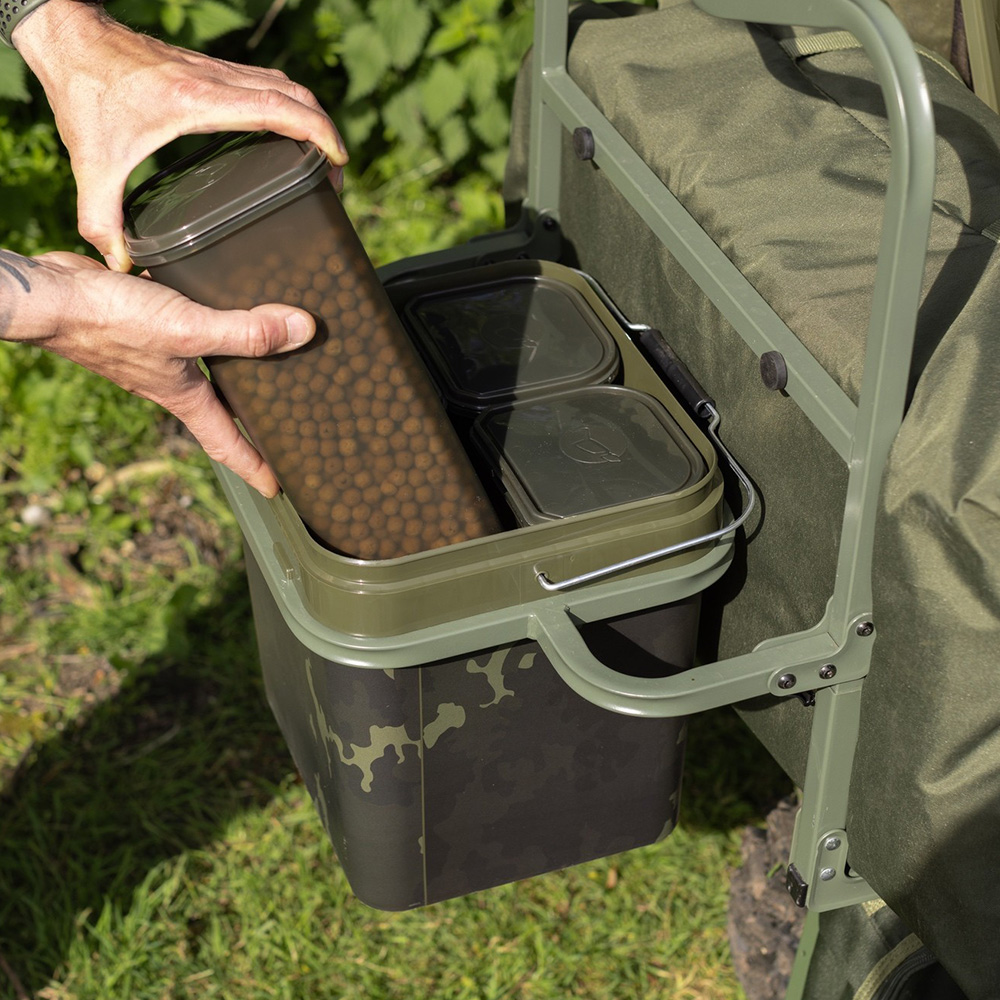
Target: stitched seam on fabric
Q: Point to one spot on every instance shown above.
(833, 100)
(937, 206)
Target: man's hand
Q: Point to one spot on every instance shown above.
(118, 96)
(146, 338)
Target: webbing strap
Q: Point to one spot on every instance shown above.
(886, 965)
(802, 46)
(992, 231)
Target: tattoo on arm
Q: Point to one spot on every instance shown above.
(17, 267)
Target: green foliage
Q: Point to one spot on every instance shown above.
(13, 76)
(418, 88)
(403, 216)
(190, 23)
(435, 76)
(36, 186)
(423, 80)
(55, 416)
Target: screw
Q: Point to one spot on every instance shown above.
(831, 843)
(583, 143)
(828, 873)
(786, 681)
(865, 629)
(828, 671)
(549, 223)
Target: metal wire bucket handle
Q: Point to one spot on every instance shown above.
(703, 405)
(707, 411)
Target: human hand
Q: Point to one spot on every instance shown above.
(146, 338)
(119, 96)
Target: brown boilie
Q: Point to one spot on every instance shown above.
(351, 423)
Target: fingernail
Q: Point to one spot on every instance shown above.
(300, 329)
(339, 156)
(112, 261)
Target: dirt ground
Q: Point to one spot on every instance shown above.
(764, 924)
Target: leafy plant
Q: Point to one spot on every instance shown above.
(194, 23)
(55, 416)
(419, 81)
(36, 186)
(13, 76)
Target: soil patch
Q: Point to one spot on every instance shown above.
(764, 924)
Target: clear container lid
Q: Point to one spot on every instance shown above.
(584, 450)
(218, 189)
(519, 338)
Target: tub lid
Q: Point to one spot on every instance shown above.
(516, 338)
(219, 188)
(586, 449)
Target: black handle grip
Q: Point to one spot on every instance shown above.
(675, 370)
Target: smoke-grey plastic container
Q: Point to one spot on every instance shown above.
(351, 424)
(583, 450)
(493, 340)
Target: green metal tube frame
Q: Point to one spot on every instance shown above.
(862, 435)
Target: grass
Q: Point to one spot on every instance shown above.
(164, 848)
(155, 841)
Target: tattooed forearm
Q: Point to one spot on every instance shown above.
(17, 267)
(13, 268)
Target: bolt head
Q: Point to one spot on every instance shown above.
(583, 143)
(865, 629)
(828, 671)
(786, 681)
(773, 370)
(828, 873)
(831, 843)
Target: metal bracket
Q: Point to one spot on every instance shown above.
(822, 877)
(849, 662)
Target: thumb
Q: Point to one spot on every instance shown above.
(100, 219)
(257, 332)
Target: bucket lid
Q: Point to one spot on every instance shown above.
(586, 449)
(225, 185)
(519, 338)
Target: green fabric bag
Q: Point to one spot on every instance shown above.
(783, 161)
(867, 953)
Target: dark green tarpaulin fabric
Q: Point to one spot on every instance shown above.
(784, 164)
(867, 953)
